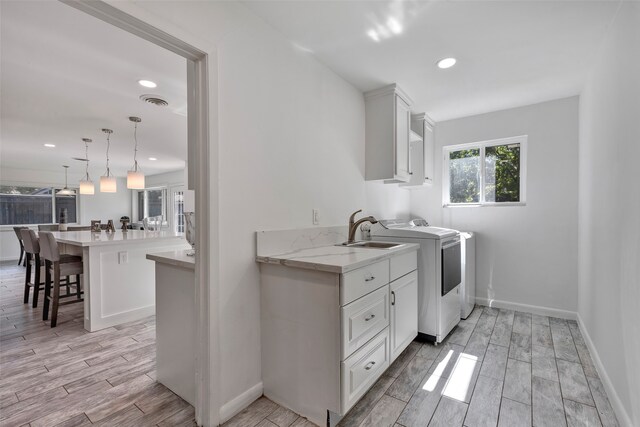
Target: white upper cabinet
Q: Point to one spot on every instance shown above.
(388, 134)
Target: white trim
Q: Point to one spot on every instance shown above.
(238, 403)
(203, 153)
(535, 309)
(623, 417)
(482, 145)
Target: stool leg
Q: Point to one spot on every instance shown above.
(21, 254)
(27, 278)
(78, 288)
(56, 294)
(36, 284)
(47, 289)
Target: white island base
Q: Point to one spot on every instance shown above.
(118, 280)
(176, 322)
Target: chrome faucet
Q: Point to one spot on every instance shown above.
(353, 225)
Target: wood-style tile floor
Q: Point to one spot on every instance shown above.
(498, 368)
(65, 376)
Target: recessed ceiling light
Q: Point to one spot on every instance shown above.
(152, 158)
(447, 63)
(50, 145)
(147, 83)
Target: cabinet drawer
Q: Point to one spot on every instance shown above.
(357, 283)
(363, 319)
(403, 264)
(363, 368)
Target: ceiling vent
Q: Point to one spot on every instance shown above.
(154, 99)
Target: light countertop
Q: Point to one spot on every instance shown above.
(89, 238)
(335, 259)
(177, 258)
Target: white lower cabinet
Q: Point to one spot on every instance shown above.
(363, 368)
(404, 312)
(327, 337)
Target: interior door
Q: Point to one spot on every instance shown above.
(404, 312)
(403, 125)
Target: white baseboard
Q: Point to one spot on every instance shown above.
(238, 403)
(623, 417)
(535, 309)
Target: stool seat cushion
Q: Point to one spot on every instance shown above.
(64, 258)
(70, 268)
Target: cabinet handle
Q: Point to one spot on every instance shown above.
(393, 298)
(368, 279)
(369, 317)
(369, 365)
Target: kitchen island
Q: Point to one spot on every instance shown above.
(118, 280)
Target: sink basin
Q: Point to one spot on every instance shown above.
(371, 244)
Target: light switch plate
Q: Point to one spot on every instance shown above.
(316, 217)
(123, 257)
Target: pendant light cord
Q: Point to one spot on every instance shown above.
(108, 146)
(135, 148)
(86, 156)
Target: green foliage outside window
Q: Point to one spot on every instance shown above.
(464, 176)
(501, 174)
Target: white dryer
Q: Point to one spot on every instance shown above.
(439, 272)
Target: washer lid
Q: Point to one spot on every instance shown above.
(416, 232)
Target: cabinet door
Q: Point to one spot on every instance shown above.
(428, 147)
(404, 312)
(403, 126)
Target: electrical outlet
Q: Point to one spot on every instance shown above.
(316, 217)
(123, 257)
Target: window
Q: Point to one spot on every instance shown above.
(21, 205)
(485, 173)
(178, 211)
(152, 202)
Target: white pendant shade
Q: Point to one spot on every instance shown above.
(135, 180)
(86, 187)
(66, 192)
(108, 184)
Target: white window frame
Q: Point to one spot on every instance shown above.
(165, 202)
(54, 188)
(481, 145)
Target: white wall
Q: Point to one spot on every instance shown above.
(609, 214)
(387, 201)
(291, 139)
(106, 206)
(165, 179)
(103, 206)
(525, 254)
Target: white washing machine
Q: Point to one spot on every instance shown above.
(439, 272)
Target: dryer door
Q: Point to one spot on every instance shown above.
(451, 265)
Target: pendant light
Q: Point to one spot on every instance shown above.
(86, 185)
(66, 191)
(135, 178)
(108, 182)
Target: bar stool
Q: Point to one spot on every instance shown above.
(48, 227)
(59, 265)
(18, 230)
(79, 228)
(32, 258)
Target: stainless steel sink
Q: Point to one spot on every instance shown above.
(372, 245)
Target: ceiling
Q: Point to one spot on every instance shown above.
(65, 75)
(510, 53)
